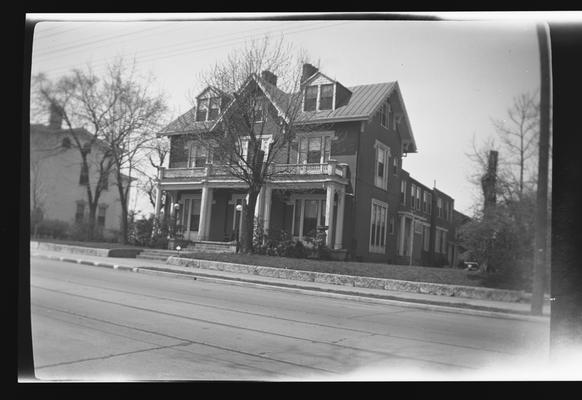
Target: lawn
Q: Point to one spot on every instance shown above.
(375, 270)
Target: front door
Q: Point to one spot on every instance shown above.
(191, 217)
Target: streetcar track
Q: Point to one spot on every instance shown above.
(356, 330)
(185, 342)
(261, 331)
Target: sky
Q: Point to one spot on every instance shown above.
(455, 76)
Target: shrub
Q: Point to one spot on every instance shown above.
(53, 229)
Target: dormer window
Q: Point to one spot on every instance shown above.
(214, 108)
(208, 109)
(318, 97)
(326, 97)
(310, 101)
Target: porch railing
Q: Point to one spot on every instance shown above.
(332, 168)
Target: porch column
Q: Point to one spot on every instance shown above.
(157, 210)
(339, 230)
(260, 205)
(330, 191)
(205, 210)
(268, 195)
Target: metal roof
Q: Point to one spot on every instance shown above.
(363, 102)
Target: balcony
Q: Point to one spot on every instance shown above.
(332, 170)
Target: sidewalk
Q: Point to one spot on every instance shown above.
(475, 307)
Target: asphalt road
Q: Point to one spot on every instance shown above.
(98, 324)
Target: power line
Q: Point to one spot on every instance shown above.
(83, 44)
(189, 42)
(225, 43)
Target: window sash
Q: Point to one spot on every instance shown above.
(202, 110)
(310, 99)
(378, 225)
(326, 97)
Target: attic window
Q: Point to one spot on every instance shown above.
(318, 97)
(310, 101)
(326, 97)
(66, 143)
(208, 109)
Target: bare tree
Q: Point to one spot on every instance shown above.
(132, 124)
(83, 105)
(110, 119)
(519, 134)
(258, 87)
(159, 151)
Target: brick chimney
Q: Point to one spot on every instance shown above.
(56, 117)
(307, 71)
(269, 77)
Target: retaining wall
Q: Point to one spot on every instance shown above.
(89, 251)
(357, 281)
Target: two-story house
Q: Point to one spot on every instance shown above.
(58, 180)
(341, 169)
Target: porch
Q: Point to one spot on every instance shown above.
(212, 211)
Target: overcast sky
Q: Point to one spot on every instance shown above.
(454, 76)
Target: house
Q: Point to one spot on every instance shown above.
(343, 170)
(58, 180)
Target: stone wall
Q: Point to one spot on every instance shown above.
(357, 281)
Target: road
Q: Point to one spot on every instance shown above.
(99, 324)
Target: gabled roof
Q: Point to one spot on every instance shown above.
(363, 103)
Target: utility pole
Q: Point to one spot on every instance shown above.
(540, 260)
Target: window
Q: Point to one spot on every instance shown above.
(412, 195)
(440, 242)
(439, 207)
(101, 216)
(310, 100)
(395, 165)
(84, 177)
(198, 156)
(444, 242)
(403, 192)
(326, 97)
(309, 213)
(418, 197)
(314, 150)
(426, 238)
(66, 143)
(214, 108)
(202, 110)
(79, 212)
(383, 115)
(429, 203)
(379, 212)
(446, 210)
(381, 169)
(258, 112)
(424, 201)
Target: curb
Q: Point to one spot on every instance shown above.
(459, 308)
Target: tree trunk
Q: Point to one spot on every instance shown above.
(248, 225)
(91, 222)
